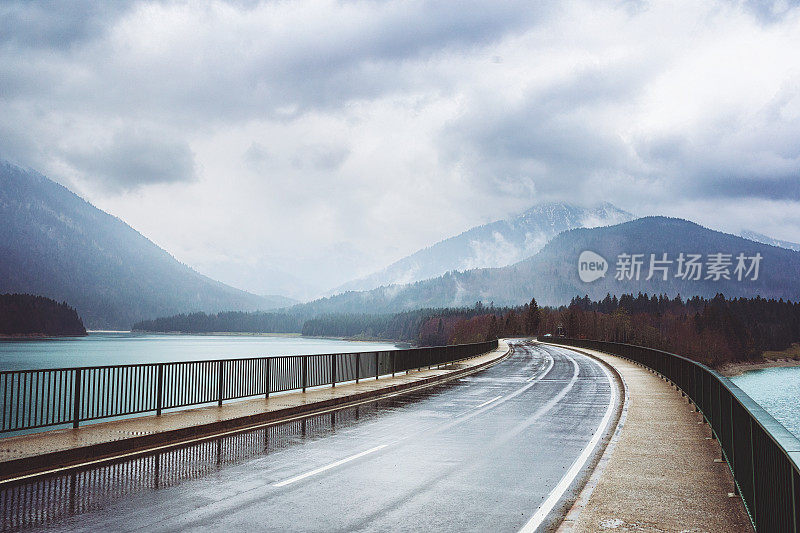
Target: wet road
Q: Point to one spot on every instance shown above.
(499, 450)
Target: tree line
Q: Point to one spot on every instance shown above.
(426, 327)
(713, 331)
(28, 314)
(229, 321)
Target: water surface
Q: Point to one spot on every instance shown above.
(104, 348)
(777, 390)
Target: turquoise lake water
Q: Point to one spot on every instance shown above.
(777, 390)
(126, 348)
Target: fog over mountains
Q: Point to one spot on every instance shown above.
(552, 274)
(55, 244)
(496, 244)
(758, 237)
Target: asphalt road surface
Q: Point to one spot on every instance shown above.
(504, 449)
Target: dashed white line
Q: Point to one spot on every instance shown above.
(488, 402)
(328, 467)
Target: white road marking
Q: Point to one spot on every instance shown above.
(557, 493)
(478, 410)
(328, 467)
(531, 420)
(471, 414)
(488, 402)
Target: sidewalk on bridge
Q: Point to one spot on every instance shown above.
(662, 474)
(33, 453)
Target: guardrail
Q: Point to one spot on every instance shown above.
(763, 456)
(50, 397)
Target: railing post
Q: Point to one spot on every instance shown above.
(220, 384)
(753, 469)
(305, 372)
(358, 366)
(269, 365)
(394, 362)
(793, 494)
(377, 370)
(333, 370)
(160, 392)
(77, 386)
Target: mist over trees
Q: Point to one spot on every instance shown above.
(56, 244)
(231, 321)
(26, 314)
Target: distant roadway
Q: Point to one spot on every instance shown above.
(500, 450)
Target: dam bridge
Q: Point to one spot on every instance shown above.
(509, 435)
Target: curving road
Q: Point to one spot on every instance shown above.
(500, 450)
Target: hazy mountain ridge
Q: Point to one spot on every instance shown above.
(758, 237)
(496, 244)
(55, 244)
(552, 274)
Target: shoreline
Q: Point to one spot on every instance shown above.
(263, 334)
(38, 336)
(737, 369)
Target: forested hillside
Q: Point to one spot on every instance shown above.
(230, 321)
(496, 244)
(552, 274)
(55, 244)
(29, 315)
(714, 331)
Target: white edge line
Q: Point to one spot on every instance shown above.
(583, 498)
(328, 467)
(488, 402)
(556, 494)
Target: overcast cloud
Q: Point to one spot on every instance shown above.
(291, 146)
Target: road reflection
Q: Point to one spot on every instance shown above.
(49, 500)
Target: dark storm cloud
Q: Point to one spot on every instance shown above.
(326, 69)
(133, 159)
(550, 137)
(397, 123)
(771, 11)
(781, 188)
(55, 24)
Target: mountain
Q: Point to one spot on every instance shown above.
(55, 244)
(758, 237)
(496, 244)
(552, 275)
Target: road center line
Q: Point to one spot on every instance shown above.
(556, 494)
(328, 467)
(488, 402)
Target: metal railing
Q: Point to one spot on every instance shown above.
(763, 456)
(39, 502)
(51, 397)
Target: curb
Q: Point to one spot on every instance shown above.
(27, 468)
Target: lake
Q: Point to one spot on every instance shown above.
(112, 348)
(777, 390)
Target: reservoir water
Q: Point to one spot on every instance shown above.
(101, 348)
(777, 390)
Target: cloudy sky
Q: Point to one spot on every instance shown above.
(291, 146)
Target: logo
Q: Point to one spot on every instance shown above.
(591, 266)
